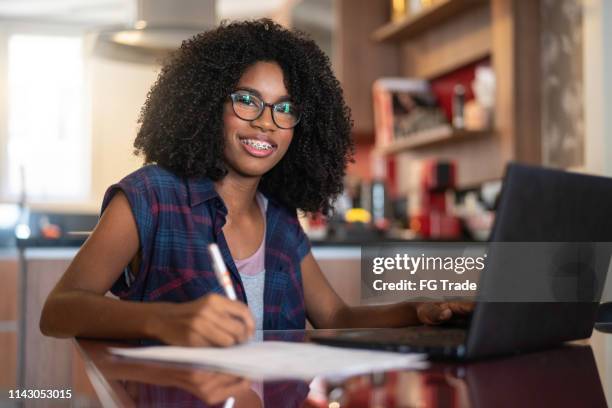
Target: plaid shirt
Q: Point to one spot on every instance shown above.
(177, 218)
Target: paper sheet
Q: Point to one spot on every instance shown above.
(271, 360)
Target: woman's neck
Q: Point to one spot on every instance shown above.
(238, 193)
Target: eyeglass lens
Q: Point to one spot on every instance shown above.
(249, 107)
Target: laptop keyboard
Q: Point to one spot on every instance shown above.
(418, 336)
(410, 339)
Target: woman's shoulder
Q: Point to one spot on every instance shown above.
(152, 177)
(148, 185)
(152, 173)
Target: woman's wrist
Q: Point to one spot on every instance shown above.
(155, 318)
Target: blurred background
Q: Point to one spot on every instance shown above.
(443, 94)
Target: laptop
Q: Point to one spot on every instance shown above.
(536, 205)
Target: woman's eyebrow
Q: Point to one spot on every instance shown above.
(257, 93)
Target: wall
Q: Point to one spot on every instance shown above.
(562, 95)
(597, 68)
(118, 91)
(3, 103)
(362, 166)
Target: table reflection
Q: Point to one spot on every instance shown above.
(562, 377)
(565, 376)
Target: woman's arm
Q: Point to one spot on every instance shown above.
(326, 310)
(77, 305)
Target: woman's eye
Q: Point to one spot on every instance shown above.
(245, 99)
(286, 107)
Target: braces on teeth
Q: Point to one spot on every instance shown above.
(257, 144)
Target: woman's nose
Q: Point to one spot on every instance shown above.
(265, 120)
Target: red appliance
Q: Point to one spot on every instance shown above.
(432, 219)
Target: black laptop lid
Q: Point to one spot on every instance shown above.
(541, 205)
(547, 205)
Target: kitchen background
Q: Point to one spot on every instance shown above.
(443, 93)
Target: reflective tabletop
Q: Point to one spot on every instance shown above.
(569, 375)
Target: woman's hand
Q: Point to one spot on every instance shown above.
(215, 388)
(161, 381)
(212, 320)
(436, 313)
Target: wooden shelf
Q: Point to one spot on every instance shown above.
(436, 136)
(424, 20)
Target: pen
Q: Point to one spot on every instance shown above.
(226, 283)
(221, 271)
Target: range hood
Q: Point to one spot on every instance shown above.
(159, 26)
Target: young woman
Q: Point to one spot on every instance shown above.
(244, 125)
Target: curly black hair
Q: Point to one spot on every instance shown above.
(181, 120)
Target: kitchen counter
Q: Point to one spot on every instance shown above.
(75, 242)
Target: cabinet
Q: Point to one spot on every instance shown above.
(50, 363)
(9, 272)
(436, 41)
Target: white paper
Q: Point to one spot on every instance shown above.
(271, 360)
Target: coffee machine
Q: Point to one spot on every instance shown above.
(431, 198)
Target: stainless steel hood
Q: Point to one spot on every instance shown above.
(159, 26)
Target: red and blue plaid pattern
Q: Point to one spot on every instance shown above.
(177, 218)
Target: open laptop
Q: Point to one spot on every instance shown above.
(536, 205)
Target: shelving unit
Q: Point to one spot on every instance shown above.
(451, 35)
(435, 42)
(437, 136)
(422, 21)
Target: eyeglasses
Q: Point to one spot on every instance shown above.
(247, 106)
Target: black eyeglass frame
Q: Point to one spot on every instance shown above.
(262, 107)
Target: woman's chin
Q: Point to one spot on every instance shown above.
(245, 164)
(251, 171)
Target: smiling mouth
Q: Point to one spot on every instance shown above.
(258, 144)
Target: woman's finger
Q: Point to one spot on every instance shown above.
(461, 308)
(433, 313)
(214, 332)
(235, 308)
